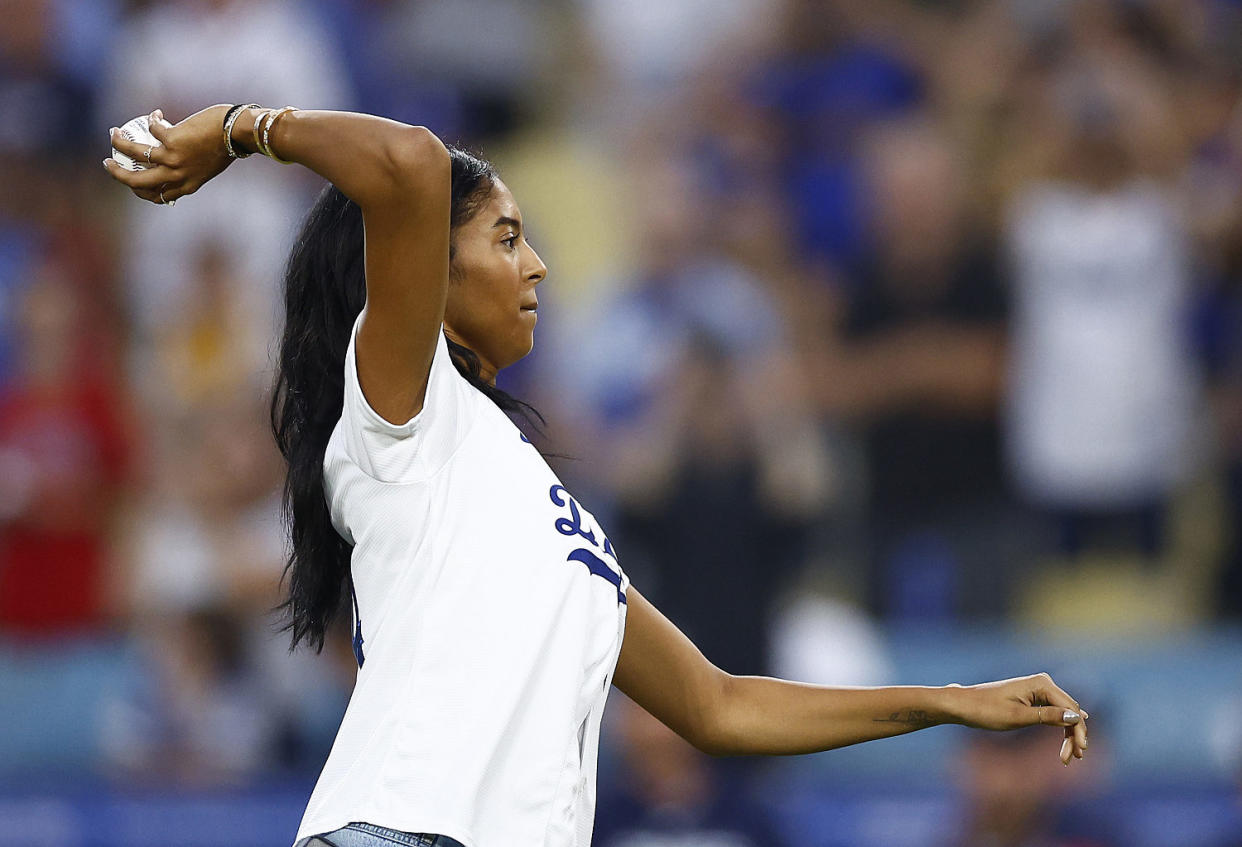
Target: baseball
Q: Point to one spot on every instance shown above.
(136, 130)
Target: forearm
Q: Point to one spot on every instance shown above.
(765, 716)
(370, 159)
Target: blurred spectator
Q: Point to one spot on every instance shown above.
(642, 56)
(1212, 183)
(669, 387)
(64, 457)
(209, 530)
(1016, 794)
(716, 546)
(186, 55)
(208, 534)
(470, 70)
(673, 795)
(201, 717)
(918, 367)
(50, 53)
(205, 353)
(827, 80)
(1103, 388)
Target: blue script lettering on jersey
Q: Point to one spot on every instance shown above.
(599, 567)
(357, 642)
(572, 525)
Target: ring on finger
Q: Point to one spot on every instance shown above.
(147, 153)
(163, 201)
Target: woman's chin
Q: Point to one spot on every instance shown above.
(523, 345)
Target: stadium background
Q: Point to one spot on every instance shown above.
(894, 342)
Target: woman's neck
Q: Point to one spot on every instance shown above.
(487, 371)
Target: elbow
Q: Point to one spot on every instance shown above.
(418, 161)
(713, 732)
(715, 750)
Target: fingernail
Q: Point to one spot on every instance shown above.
(1071, 717)
(1085, 715)
(105, 164)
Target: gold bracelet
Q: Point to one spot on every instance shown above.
(258, 135)
(267, 133)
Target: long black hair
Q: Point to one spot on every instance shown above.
(324, 291)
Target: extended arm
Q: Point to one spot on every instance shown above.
(661, 670)
(399, 175)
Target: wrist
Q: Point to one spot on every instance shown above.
(243, 130)
(217, 113)
(949, 703)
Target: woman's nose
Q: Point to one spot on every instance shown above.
(539, 271)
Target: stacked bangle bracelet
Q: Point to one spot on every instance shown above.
(264, 120)
(229, 120)
(264, 141)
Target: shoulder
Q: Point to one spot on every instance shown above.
(416, 448)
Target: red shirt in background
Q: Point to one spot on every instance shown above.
(63, 458)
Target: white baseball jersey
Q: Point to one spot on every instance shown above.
(491, 610)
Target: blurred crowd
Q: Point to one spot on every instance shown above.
(860, 314)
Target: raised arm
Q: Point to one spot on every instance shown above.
(725, 715)
(399, 175)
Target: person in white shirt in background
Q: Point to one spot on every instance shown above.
(1103, 386)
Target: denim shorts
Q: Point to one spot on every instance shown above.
(369, 835)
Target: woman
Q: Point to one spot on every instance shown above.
(490, 611)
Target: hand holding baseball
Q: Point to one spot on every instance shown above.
(188, 155)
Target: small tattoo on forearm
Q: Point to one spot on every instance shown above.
(913, 717)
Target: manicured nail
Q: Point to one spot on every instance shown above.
(105, 164)
(1071, 717)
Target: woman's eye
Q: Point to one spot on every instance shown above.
(511, 240)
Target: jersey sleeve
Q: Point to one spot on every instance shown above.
(417, 448)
